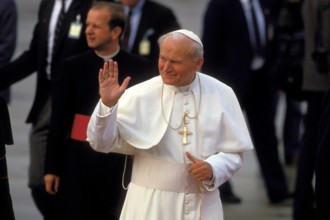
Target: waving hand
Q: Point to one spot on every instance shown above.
(110, 90)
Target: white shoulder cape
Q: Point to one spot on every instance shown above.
(221, 121)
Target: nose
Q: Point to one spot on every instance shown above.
(167, 66)
(88, 29)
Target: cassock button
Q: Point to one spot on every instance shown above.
(187, 212)
(186, 202)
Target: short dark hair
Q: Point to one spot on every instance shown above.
(118, 18)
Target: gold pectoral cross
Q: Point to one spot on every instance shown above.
(185, 131)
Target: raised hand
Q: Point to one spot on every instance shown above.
(110, 90)
(199, 169)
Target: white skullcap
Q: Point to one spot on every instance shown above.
(191, 35)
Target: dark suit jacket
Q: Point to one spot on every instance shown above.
(77, 91)
(227, 49)
(8, 24)
(156, 20)
(7, 211)
(8, 33)
(34, 59)
(322, 162)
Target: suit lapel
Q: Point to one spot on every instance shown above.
(71, 16)
(143, 25)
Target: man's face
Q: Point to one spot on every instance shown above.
(98, 34)
(175, 63)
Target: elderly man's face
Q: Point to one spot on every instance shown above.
(176, 65)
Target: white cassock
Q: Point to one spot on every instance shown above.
(146, 123)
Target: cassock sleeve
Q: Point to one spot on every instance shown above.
(224, 166)
(102, 131)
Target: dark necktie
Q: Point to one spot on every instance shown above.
(257, 46)
(59, 24)
(127, 31)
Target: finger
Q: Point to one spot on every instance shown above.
(197, 173)
(57, 184)
(125, 83)
(48, 186)
(115, 69)
(102, 75)
(105, 71)
(101, 78)
(191, 157)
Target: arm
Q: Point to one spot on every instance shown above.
(102, 133)
(61, 123)
(26, 63)
(216, 169)
(224, 166)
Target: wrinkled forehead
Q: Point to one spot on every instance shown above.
(176, 48)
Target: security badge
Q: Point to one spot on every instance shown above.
(75, 28)
(144, 47)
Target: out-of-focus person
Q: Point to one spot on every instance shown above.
(147, 21)
(238, 42)
(6, 138)
(8, 35)
(58, 34)
(287, 75)
(316, 18)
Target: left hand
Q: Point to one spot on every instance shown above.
(52, 183)
(199, 169)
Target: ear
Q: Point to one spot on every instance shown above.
(199, 63)
(117, 32)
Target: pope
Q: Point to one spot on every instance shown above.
(185, 129)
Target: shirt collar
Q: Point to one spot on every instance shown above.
(136, 9)
(108, 57)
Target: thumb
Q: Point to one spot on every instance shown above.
(191, 157)
(125, 83)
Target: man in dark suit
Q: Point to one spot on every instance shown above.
(147, 22)
(50, 45)
(7, 212)
(238, 56)
(87, 185)
(310, 199)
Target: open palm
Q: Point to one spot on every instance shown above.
(110, 90)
